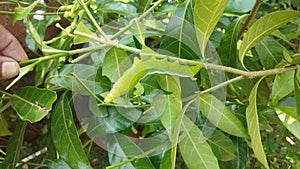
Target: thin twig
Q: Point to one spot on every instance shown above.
(251, 75)
(80, 58)
(32, 156)
(209, 66)
(3, 108)
(220, 86)
(32, 13)
(137, 19)
(252, 15)
(92, 19)
(6, 93)
(180, 60)
(61, 53)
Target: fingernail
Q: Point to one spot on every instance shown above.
(8, 69)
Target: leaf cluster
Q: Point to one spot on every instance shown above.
(159, 84)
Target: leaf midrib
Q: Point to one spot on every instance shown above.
(194, 145)
(65, 125)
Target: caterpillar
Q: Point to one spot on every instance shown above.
(142, 68)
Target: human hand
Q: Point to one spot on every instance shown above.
(11, 51)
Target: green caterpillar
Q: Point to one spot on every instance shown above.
(142, 68)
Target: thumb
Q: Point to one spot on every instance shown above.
(8, 67)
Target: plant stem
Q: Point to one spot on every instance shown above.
(2, 152)
(41, 59)
(108, 43)
(92, 19)
(252, 75)
(3, 108)
(210, 66)
(32, 13)
(252, 15)
(220, 86)
(33, 156)
(245, 74)
(5, 93)
(90, 148)
(137, 19)
(34, 164)
(189, 62)
(80, 58)
(271, 71)
(61, 53)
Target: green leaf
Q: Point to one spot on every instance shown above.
(282, 86)
(288, 116)
(239, 6)
(253, 127)
(263, 89)
(121, 148)
(242, 152)
(206, 17)
(33, 104)
(51, 150)
(296, 3)
(142, 68)
(37, 28)
(14, 146)
(61, 164)
(41, 70)
(90, 76)
(114, 122)
(84, 29)
(222, 146)
(169, 107)
(270, 52)
(180, 32)
(228, 45)
(281, 36)
(99, 111)
(4, 131)
(297, 92)
(166, 161)
(287, 57)
(263, 27)
(23, 72)
(65, 136)
(215, 40)
(138, 30)
(143, 5)
(195, 151)
(34, 33)
(116, 62)
(22, 13)
(150, 84)
(125, 9)
(219, 115)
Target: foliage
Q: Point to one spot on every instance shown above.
(144, 80)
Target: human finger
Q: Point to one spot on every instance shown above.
(10, 46)
(9, 68)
